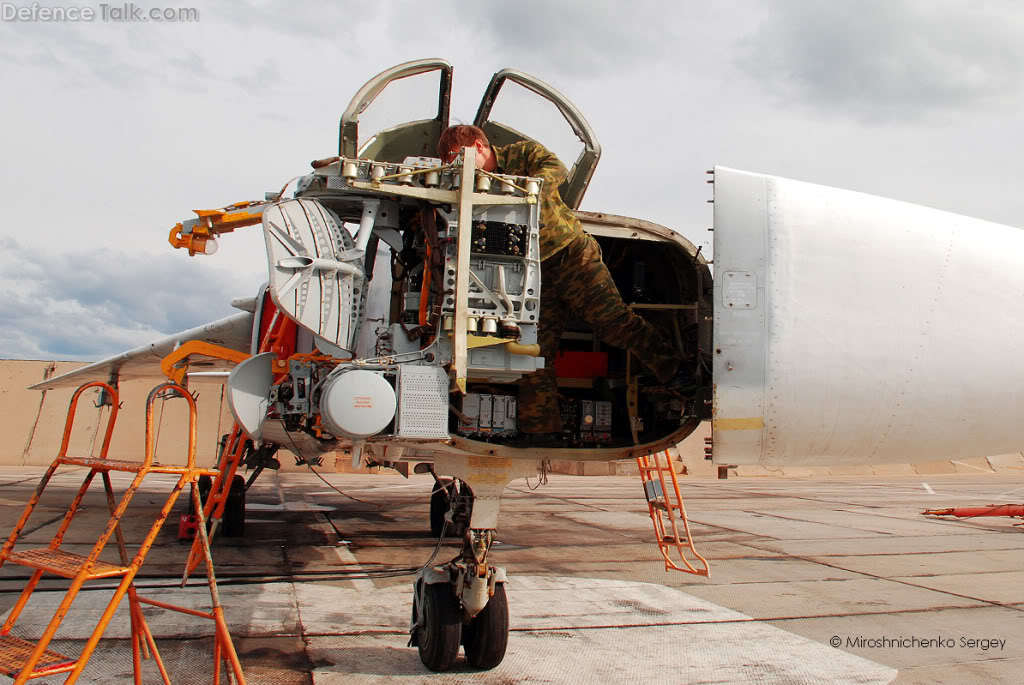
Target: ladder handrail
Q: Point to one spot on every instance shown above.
(192, 418)
(65, 441)
(69, 422)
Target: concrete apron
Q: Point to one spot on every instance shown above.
(565, 629)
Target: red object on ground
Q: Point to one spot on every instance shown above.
(577, 364)
(187, 526)
(987, 510)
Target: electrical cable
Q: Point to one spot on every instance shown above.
(391, 573)
(297, 451)
(340, 492)
(542, 478)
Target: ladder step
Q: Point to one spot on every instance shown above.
(101, 464)
(64, 563)
(15, 652)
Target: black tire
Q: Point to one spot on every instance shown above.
(439, 504)
(486, 636)
(233, 521)
(205, 485)
(457, 529)
(441, 633)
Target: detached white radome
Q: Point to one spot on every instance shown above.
(856, 329)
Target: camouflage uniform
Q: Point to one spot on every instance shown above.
(575, 283)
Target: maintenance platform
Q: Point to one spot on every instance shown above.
(812, 580)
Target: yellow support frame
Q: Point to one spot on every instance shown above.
(199, 347)
(213, 222)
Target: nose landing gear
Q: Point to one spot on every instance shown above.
(464, 602)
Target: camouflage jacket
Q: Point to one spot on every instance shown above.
(558, 224)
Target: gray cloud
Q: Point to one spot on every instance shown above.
(78, 52)
(887, 59)
(310, 21)
(264, 76)
(578, 40)
(90, 304)
(191, 63)
(83, 56)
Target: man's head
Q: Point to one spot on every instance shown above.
(454, 138)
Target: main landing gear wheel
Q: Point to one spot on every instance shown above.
(450, 495)
(233, 518)
(234, 509)
(441, 630)
(486, 636)
(439, 503)
(205, 485)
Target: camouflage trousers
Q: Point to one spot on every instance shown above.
(576, 284)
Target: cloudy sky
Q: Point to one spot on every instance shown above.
(114, 131)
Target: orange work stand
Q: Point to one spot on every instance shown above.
(24, 660)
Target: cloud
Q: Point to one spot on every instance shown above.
(262, 78)
(87, 305)
(309, 21)
(581, 41)
(81, 53)
(881, 60)
(136, 58)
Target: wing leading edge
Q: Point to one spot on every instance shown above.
(233, 331)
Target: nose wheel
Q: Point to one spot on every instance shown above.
(440, 626)
(462, 602)
(437, 618)
(485, 637)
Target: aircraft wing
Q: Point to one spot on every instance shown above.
(234, 331)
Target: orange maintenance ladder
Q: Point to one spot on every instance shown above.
(24, 660)
(234, 449)
(663, 503)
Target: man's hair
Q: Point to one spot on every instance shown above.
(454, 138)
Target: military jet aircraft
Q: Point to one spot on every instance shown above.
(404, 298)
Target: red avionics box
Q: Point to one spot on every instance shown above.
(575, 364)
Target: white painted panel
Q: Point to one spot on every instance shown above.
(883, 331)
(739, 331)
